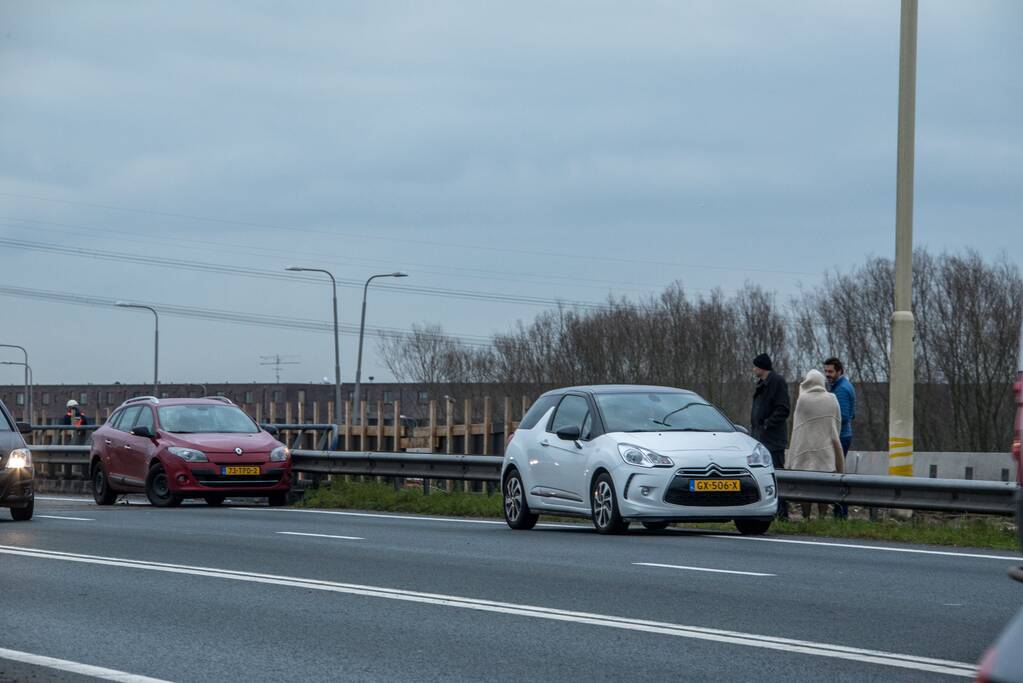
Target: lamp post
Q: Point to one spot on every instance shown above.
(28, 385)
(28, 390)
(156, 342)
(900, 391)
(337, 346)
(362, 329)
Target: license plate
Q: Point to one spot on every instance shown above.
(714, 485)
(227, 471)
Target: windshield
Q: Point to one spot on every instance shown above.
(660, 412)
(205, 419)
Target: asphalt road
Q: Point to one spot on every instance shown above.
(259, 594)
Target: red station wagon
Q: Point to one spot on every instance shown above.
(174, 449)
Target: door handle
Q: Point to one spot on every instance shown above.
(545, 443)
(108, 441)
(127, 446)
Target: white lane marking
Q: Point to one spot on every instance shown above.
(76, 668)
(67, 500)
(699, 569)
(856, 546)
(459, 520)
(73, 519)
(344, 538)
(790, 645)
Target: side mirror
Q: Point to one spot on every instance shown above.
(270, 429)
(740, 428)
(569, 433)
(143, 431)
(24, 428)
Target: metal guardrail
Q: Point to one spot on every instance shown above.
(914, 493)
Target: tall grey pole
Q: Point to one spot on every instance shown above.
(337, 348)
(28, 373)
(28, 385)
(357, 396)
(156, 342)
(900, 412)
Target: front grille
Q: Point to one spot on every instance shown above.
(678, 492)
(214, 478)
(713, 470)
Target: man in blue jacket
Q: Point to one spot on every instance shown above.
(842, 388)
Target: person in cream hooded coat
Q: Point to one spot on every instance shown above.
(815, 444)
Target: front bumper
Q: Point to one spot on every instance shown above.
(17, 487)
(205, 478)
(664, 495)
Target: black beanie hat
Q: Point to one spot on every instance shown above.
(763, 361)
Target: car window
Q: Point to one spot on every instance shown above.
(206, 419)
(127, 418)
(145, 419)
(112, 420)
(587, 431)
(572, 412)
(5, 424)
(660, 412)
(538, 410)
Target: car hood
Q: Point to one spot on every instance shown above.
(222, 443)
(9, 441)
(679, 442)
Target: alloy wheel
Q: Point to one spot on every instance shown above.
(513, 498)
(603, 504)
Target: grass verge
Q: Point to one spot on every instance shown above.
(923, 528)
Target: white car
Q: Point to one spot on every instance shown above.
(623, 453)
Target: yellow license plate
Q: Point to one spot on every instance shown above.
(240, 470)
(714, 485)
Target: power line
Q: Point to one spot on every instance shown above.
(216, 315)
(449, 245)
(226, 269)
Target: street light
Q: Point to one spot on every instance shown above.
(31, 381)
(337, 346)
(362, 330)
(28, 392)
(156, 341)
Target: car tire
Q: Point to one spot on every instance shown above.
(158, 489)
(752, 527)
(101, 491)
(656, 526)
(604, 506)
(214, 501)
(23, 514)
(278, 499)
(516, 509)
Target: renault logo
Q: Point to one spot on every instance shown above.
(238, 451)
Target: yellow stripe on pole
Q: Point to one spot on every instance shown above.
(898, 449)
(901, 471)
(896, 442)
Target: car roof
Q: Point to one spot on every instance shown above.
(621, 389)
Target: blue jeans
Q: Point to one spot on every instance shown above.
(842, 511)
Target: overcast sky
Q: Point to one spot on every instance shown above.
(554, 150)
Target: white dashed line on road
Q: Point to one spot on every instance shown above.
(73, 519)
(699, 569)
(856, 546)
(76, 667)
(344, 538)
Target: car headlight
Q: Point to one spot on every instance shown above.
(19, 458)
(642, 457)
(280, 454)
(760, 457)
(188, 454)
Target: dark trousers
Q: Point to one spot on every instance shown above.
(778, 459)
(842, 511)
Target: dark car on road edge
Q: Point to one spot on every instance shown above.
(16, 475)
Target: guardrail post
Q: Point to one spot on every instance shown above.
(487, 427)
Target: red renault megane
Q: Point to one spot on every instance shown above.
(174, 449)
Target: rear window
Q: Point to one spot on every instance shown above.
(538, 410)
(206, 419)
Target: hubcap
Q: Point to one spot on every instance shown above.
(160, 486)
(603, 504)
(513, 498)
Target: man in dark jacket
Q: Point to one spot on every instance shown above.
(770, 414)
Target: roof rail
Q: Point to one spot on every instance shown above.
(224, 399)
(138, 399)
